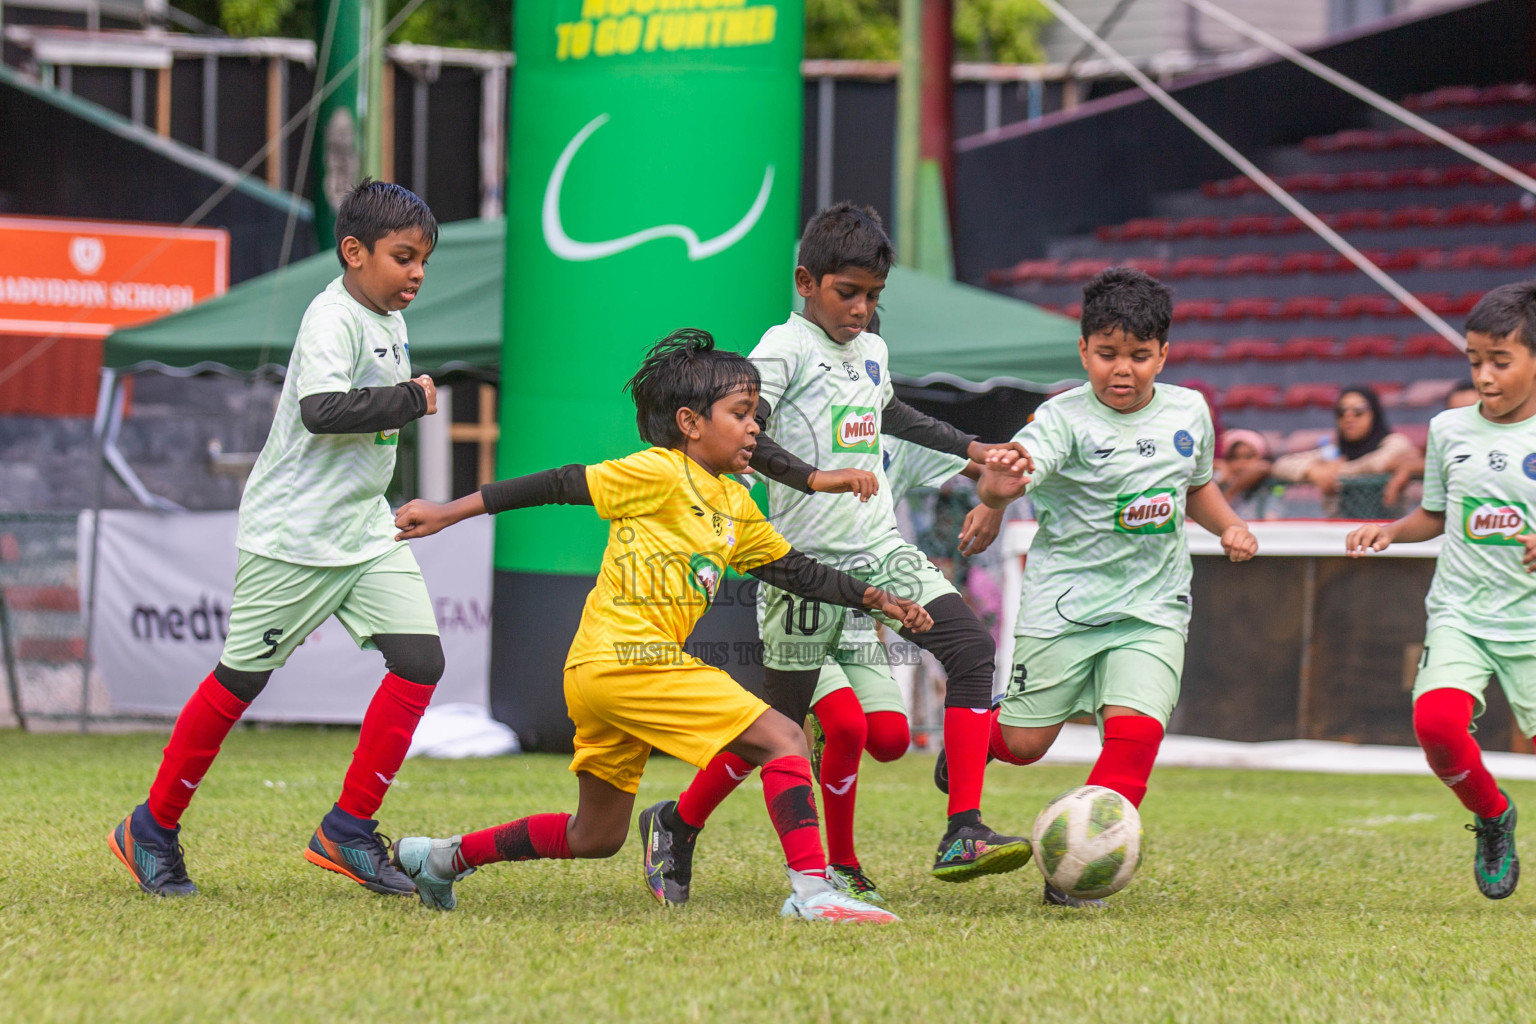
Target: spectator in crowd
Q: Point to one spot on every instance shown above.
(1242, 464)
(1462, 395)
(1363, 445)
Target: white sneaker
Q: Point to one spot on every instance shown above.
(813, 898)
(429, 863)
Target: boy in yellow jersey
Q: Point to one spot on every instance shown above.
(677, 524)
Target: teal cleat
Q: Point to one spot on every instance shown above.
(430, 864)
(1495, 865)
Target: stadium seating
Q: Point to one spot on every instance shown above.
(1274, 320)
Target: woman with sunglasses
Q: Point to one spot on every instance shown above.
(1363, 445)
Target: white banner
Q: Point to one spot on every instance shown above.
(162, 611)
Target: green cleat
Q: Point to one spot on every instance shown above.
(430, 864)
(1495, 865)
(851, 879)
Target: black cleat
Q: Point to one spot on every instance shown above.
(668, 854)
(153, 854)
(1054, 897)
(970, 849)
(353, 847)
(1495, 865)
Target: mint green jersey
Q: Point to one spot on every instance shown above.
(318, 499)
(909, 466)
(1482, 475)
(827, 402)
(1109, 492)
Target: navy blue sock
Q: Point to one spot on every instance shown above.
(340, 825)
(146, 827)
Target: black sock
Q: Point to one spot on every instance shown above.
(672, 821)
(964, 819)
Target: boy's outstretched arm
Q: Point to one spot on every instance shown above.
(365, 410)
(1418, 525)
(805, 577)
(901, 420)
(564, 486)
(777, 464)
(1208, 507)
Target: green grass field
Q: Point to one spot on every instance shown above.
(1262, 897)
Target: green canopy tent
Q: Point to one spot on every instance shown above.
(938, 331)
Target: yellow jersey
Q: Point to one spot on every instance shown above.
(674, 529)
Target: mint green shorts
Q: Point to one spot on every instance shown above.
(800, 634)
(1453, 660)
(1129, 663)
(277, 604)
(864, 667)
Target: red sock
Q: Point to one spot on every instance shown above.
(842, 722)
(999, 749)
(715, 781)
(1442, 720)
(965, 748)
(887, 735)
(381, 745)
(200, 729)
(787, 792)
(1130, 748)
(538, 836)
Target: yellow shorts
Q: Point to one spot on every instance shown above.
(689, 710)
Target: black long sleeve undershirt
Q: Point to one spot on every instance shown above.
(901, 420)
(898, 419)
(806, 577)
(363, 410)
(775, 462)
(564, 486)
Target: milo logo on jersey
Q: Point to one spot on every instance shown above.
(854, 429)
(1493, 521)
(1150, 511)
(389, 437)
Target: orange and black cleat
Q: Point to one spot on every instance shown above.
(352, 847)
(152, 853)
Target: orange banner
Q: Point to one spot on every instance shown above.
(86, 278)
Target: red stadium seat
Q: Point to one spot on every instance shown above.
(1197, 227)
(1193, 350)
(1196, 309)
(1195, 266)
(1250, 396)
(1305, 396)
(1240, 350)
(1154, 265)
(1309, 347)
(1418, 433)
(1370, 346)
(1255, 308)
(1300, 306)
(1250, 263)
(1419, 346)
(1366, 305)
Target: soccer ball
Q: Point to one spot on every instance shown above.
(1088, 842)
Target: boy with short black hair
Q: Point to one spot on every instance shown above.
(316, 538)
(628, 684)
(1480, 468)
(1117, 465)
(827, 399)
